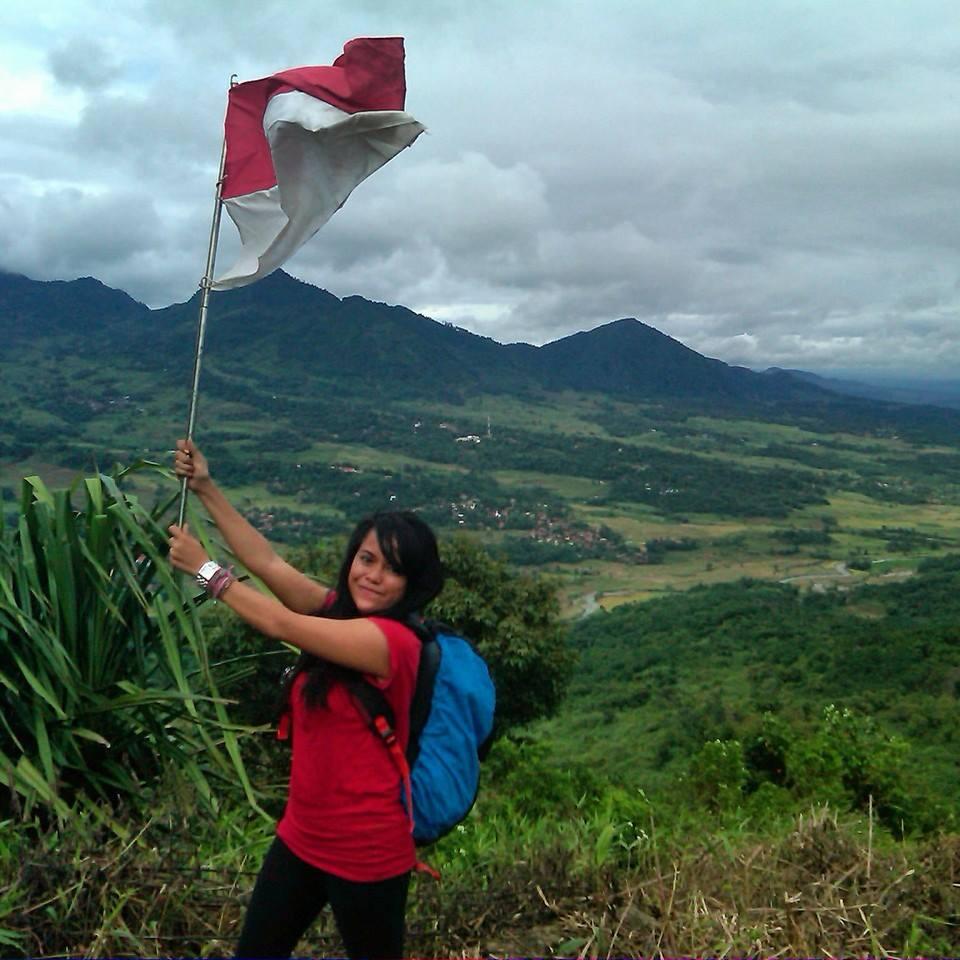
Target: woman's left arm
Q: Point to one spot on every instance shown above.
(357, 644)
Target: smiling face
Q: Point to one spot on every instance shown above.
(374, 584)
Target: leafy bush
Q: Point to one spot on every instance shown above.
(849, 762)
(718, 774)
(104, 678)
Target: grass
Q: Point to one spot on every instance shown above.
(94, 625)
(853, 510)
(571, 487)
(610, 875)
(366, 457)
(11, 474)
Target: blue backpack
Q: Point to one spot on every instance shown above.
(451, 721)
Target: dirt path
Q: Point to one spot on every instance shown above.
(840, 572)
(590, 604)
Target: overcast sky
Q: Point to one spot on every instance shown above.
(770, 182)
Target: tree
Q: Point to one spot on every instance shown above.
(514, 620)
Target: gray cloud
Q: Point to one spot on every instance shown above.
(83, 62)
(115, 228)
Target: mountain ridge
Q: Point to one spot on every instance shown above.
(287, 322)
(284, 331)
(914, 393)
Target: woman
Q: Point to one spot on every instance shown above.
(344, 837)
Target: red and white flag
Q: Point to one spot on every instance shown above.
(300, 141)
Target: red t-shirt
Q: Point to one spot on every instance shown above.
(343, 811)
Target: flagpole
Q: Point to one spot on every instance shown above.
(205, 286)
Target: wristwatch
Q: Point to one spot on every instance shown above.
(208, 569)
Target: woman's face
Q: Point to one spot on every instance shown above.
(374, 584)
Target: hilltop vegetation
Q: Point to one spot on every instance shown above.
(774, 778)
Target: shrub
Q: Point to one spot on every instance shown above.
(104, 678)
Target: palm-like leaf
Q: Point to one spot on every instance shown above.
(104, 676)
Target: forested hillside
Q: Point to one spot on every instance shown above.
(758, 664)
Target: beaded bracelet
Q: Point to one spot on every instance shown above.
(218, 583)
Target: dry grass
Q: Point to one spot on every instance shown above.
(819, 890)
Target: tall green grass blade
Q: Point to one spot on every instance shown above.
(43, 747)
(91, 735)
(41, 689)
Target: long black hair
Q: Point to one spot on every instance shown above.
(410, 547)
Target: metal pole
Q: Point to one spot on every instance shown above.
(205, 284)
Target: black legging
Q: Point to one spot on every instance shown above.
(289, 894)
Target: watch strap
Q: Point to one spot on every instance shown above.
(208, 569)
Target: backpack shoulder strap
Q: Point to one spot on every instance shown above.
(371, 701)
(379, 716)
(426, 680)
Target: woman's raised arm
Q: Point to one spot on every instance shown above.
(295, 590)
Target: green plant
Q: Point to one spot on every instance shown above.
(514, 620)
(718, 774)
(849, 761)
(104, 675)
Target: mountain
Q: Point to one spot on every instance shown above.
(284, 331)
(31, 309)
(316, 409)
(937, 393)
(628, 357)
(284, 326)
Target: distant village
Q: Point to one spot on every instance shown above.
(538, 530)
